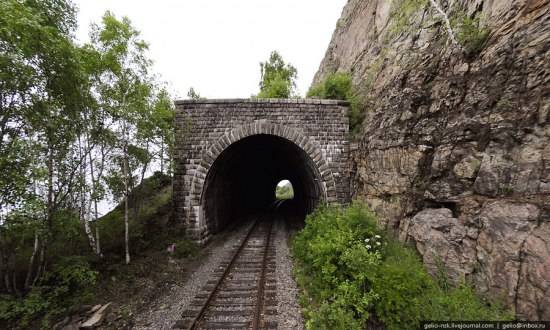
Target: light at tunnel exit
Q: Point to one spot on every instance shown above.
(284, 190)
(245, 177)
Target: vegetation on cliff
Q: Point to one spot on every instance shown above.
(339, 86)
(353, 274)
(465, 31)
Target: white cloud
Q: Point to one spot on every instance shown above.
(216, 45)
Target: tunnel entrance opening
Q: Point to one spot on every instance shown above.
(284, 190)
(241, 181)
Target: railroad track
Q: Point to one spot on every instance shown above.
(242, 292)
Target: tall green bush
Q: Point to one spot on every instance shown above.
(334, 255)
(350, 271)
(339, 86)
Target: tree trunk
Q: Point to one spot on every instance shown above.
(86, 210)
(49, 216)
(171, 161)
(14, 280)
(139, 195)
(103, 152)
(5, 266)
(31, 262)
(97, 246)
(41, 264)
(126, 193)
(126, 236)
(88, 230)
(50, 186)
(447, 23)
(7, 282)
(162, 154)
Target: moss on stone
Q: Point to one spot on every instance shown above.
(402, 13)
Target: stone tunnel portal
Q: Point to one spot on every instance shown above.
(242, 180)
(230, 155)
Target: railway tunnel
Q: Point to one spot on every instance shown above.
(243, 179)
(231, 154)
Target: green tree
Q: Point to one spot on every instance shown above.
(278, 79)
(74, 121)
(38, 75)
(163, 118)
(126, 90)
(41, 94)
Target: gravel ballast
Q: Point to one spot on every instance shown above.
(289, 315)
(166, 310)
(162, 314)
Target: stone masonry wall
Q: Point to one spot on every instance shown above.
(205, 128)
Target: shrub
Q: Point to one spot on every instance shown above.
(471, 34)
(339, 86)
(333, 260)
(349, 270)
(401, 283)
(69, 284)
(185, 248)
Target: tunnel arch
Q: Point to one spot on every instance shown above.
(265, 130)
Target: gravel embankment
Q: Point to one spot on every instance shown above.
(289, 315)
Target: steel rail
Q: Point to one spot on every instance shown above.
(198, 318)
(261, 283)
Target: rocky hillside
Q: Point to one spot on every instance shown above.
(454, 153)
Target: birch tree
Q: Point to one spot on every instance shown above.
(40, 98)
(125, 89)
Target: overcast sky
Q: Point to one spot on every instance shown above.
(215, 46)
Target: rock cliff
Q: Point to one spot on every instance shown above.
(454, 153)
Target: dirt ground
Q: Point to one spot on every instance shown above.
(137, 288)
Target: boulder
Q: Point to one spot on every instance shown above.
(443, 241)
(533, 296)
(505, 229)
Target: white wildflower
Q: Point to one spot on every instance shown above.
(367, 240)
(378, 243)
(377, 236)
(368, 246)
